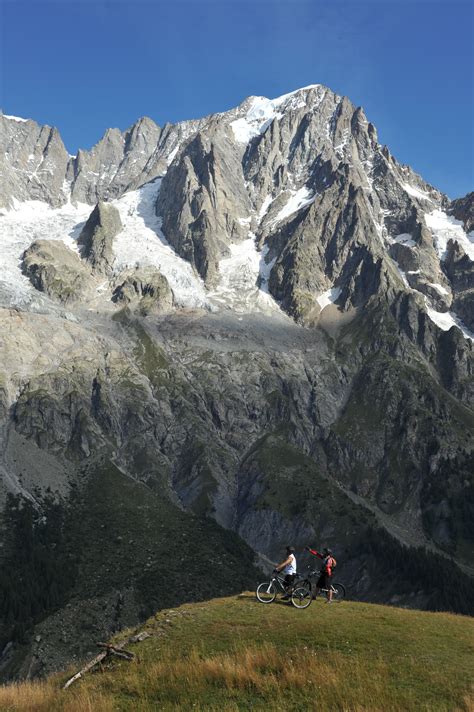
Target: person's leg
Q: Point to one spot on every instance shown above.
(319, 585)
(328, 586)
(324, 583)
(286, 584)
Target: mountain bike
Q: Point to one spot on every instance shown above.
(302, 594)
(267, 591)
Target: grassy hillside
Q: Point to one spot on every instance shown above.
(237, 654)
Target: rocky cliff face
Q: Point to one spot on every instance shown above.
(97, 236)
(463, 209)
(33, 162)
(259, 335)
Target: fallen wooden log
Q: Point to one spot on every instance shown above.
(109, 650)
(85, 669)
(119, 652)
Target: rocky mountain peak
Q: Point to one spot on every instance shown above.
(299, 182)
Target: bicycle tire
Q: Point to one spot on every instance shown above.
(266, 592)
(339, 592)
(301, 597)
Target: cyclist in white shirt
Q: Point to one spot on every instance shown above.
(288, 567)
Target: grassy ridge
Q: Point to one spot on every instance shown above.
(237, 654)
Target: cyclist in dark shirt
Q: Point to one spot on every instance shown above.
(329, 562)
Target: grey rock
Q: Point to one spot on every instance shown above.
(56, 270)
(97, 236)
(118, 162)
(460, 270)
(145, 288)
(33, 163)
(201, 199)
(463, 209)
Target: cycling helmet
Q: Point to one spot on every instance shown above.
(327, 551)
(290, 549)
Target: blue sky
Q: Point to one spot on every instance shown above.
(87, 65)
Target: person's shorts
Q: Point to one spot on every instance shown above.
(289, 578)
(324, 581)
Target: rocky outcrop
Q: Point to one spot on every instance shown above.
(33, 162)
(57, 271)
(460, 270)
(463, 209)
(145, 289)
(201, 200)
(97, 236)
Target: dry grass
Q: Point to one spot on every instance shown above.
(234, 654)
(468, 703)
(43, 696)
(264, 674)
(262, 677)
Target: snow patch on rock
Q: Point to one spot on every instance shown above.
(257, 119)
(243, 278)
(416, 192)
(445, 320)
(444, 228)
(142, 243)
(263, 112)
(405, 239)
(439, 288)
(298, 199)
(329, 297)
(15, 118)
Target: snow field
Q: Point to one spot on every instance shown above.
(142, 243)
(19, 227)
(445, 228)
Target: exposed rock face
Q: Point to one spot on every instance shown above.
(145, 288)
(56, 270)
(118, 162)
(218, 418)
(36, 166)
(460, 270)
(33, 162)
(463, 209)
(305, 176)
(97, 236)
(200, 201)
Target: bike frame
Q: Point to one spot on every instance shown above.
(277, 580)
(308, 580)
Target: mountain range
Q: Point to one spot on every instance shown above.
(220, 337)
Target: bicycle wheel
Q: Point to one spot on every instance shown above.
(301, 597)
(266, 592)
(338, 592)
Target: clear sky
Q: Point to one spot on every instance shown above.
(85, 65)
